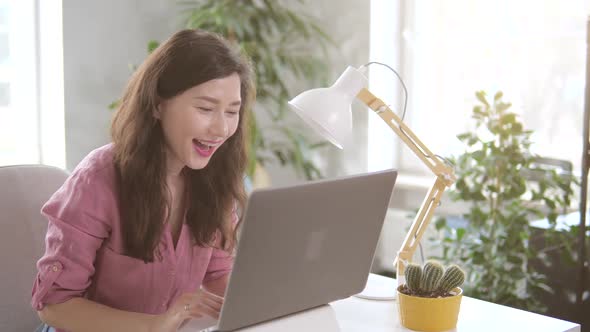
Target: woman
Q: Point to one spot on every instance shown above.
(140, 235)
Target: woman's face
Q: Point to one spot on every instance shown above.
(198, 121)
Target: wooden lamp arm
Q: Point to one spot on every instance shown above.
(445, 177)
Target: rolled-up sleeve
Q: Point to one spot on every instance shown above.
(77, 226)
(222, 261)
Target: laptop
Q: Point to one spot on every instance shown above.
(303, 246)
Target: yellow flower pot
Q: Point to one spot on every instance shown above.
(429, 314)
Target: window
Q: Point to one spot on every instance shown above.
(31, 83)
(535, 52)
(18, 84)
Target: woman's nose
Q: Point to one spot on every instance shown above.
(219, 126)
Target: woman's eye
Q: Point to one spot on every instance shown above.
(204, 109)
(232, 113)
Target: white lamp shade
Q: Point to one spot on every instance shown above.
(328, 110)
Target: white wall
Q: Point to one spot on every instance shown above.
(101, 39)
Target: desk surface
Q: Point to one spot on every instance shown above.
(356, 314)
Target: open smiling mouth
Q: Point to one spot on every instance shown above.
(204, 149)
(202, 145)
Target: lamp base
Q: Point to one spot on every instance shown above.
(379, 288)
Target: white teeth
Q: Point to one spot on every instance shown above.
(207, 146)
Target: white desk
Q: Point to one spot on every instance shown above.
(355, 314)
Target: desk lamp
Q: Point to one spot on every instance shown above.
(328, 111)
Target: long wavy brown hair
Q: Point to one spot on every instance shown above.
(185, 60)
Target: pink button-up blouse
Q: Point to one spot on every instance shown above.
(84, 245)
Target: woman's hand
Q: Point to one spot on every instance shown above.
(189, 305)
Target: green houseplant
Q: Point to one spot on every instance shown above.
(272, 34)
(430, 299)
(493, 239)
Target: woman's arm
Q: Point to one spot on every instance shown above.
(217, 286)
(80, 314)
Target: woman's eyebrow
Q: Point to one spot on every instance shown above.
(216, 101)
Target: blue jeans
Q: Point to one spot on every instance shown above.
(45, 328)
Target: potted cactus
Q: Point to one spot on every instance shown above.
(431, 297)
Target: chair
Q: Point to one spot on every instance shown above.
(23, 191)
(542, 167)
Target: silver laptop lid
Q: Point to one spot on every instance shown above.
(304, 246)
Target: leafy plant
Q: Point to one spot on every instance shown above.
(494, 241)
(432, 280)
(276, 36)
